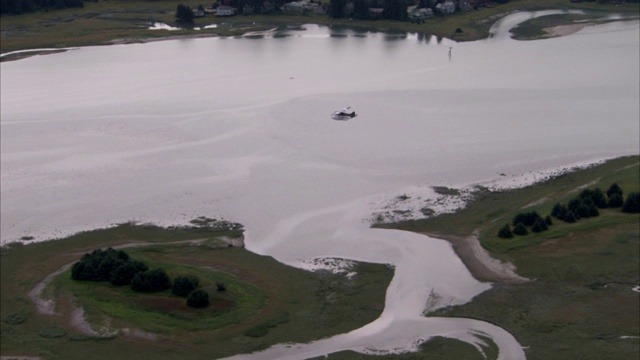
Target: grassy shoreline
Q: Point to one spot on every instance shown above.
(120, 21)
(581, 302)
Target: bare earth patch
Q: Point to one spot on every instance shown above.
(562, 30)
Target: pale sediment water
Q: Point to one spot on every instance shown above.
(240, 128)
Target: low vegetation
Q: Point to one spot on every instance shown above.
(242, 302)
(582, 302)
(584, 206)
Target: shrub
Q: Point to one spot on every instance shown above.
(183, 285)
(520, 229)
(599, 199)
(526, 218)
(505, 232)
(548, 220)
(632, 204)
(198, 298)
(614, 189)
(570, 217)
(99, 265)
(220, 287)
(184, 14)
(123, 274)
(151, 281)
(539, 226)
(559, 211)
(615, 201)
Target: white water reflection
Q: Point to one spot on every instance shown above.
(167, 27)
(168, 131)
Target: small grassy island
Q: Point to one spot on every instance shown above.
(255, 301)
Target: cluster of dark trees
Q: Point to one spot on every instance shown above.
(107, 265)
(27, 6)
(184, 14)
(118, 268)
(359, 9)
(586, 204)
(523, 222)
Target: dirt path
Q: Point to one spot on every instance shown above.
(481, 265)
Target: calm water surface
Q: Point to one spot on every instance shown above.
(239, 128)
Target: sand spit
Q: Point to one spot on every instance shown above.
(481, 265)
(563, 30)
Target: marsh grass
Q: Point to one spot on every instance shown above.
(259, 292)
(580, 303)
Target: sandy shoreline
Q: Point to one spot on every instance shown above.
(479, 262)
(563, 30)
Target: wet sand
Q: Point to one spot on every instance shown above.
(481, 265)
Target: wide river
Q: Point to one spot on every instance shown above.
(239, 128)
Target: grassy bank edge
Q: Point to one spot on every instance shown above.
(580, 302)
(118, 21)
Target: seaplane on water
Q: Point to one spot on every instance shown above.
(344, 114)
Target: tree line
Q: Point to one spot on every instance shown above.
(27, 6)
(117, 267)
(587, 204)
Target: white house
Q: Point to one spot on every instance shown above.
(419, 14)
(224, 10)
(297, 6)
(448, 7)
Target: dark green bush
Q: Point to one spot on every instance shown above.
(505, 232)
(520, 229)
(183, 285)
(198, 298)
(632, 204)
(151, 281)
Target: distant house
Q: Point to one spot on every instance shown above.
(448, 7)
(465, 5)
(247, 9)
(375, 13)
(224, 10)
(415, 14)
(198, 13)
(268, 7)
(296, 6)
(320, 9)
(348, 9)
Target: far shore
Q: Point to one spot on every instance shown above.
(113, 22)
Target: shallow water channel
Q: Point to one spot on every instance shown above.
(240, 128)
